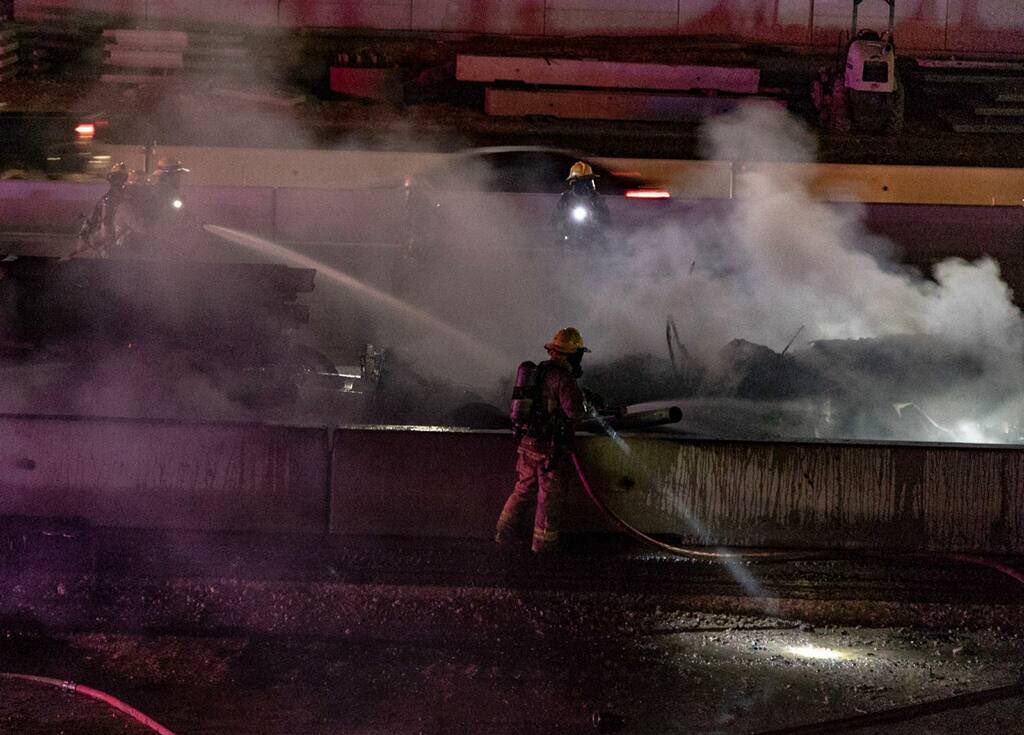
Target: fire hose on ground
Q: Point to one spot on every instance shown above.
(845, 724)
(73, 688)
(673, 414)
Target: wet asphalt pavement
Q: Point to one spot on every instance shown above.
(239, 634)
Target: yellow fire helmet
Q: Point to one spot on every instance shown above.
(579, 170)
(567, 341)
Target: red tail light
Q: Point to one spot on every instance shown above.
(85, 131)
(648, 194)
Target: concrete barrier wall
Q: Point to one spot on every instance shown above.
(324, 215)
(304, 168)
(419, 483)
(149, 474)
(806, 495)
(53, 206)
(707, 493)
(320, 219)
(384, 170)
(932, 25)
(165, 474)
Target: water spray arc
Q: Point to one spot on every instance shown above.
(492, 357)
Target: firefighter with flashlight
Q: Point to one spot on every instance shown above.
(581, 216)
(546, 404)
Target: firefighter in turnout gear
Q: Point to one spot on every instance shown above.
(581, 217)
(547, 404)
(97, 232)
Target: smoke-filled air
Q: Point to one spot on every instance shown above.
(771, 315)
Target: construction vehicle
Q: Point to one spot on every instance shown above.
(864, 94)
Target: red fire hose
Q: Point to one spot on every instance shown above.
(777, 555)
(73, 688)
(682, 550)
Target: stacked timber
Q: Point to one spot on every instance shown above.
(975, 96)
(144, 56)
(228, 309)
(606, 90)
(49, 44)
(8, 54)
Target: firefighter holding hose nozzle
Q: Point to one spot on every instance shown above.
(546, 405)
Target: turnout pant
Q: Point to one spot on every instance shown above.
(541, 481)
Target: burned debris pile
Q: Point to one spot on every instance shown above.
(904, 387)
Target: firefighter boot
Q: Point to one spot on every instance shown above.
(545, 541)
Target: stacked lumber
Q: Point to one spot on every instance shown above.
(224, 308)
(142, 56)
(8, 54)
(975, 96)
(606, 90)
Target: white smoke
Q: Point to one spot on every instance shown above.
(775, 264)
(778, 260)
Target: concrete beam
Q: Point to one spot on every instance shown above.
(600, 105)
(605, 74)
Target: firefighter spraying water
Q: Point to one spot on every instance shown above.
(547, 407)
(547, 402)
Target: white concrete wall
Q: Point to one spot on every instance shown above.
(928, 25)
(383, 14)
(373, 170)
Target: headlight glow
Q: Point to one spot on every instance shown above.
(579, 214)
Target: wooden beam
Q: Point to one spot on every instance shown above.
(594, 105)
(608, 74)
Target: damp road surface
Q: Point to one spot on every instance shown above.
(239, 634)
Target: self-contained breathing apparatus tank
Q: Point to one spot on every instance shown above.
(524, 398)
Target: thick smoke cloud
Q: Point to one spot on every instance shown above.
(770, 266)
(779, 260)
